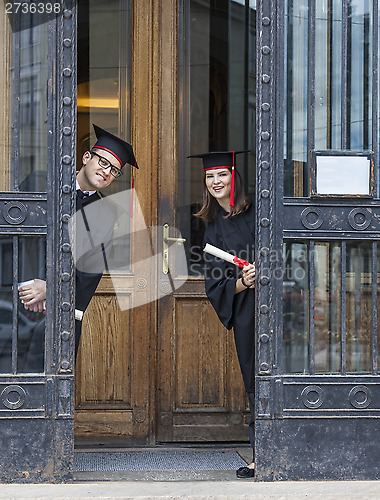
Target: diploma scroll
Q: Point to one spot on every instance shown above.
(217, 252)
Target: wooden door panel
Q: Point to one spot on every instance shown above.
(103, 369)
(200, 356)
(112, 369)
(205, 399)
(200, 393)
(104, 425)
(104, 377)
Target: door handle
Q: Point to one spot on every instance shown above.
(165, 247)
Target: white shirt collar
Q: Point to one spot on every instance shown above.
(78, 187)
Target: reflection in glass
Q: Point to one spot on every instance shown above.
(359, 74)
(334, 115)
(296, 92)
(296, 307)
(323, 93)
(327, 307)
(217, 103)
(104, 68)
(358, 307)
(29, 107)
(378, 307)
(328, 61)
(6, 307)
(31, 325)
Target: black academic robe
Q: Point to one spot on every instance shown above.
(237, 236)
(90, 266)
(94, 225)
(234, 235)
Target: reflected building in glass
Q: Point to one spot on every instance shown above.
(329, 107)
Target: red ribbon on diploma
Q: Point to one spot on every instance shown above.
(240, 262)
(217, 252)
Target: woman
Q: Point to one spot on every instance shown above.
(230, 215)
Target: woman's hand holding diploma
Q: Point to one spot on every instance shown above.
(249, 275)
(249, 271)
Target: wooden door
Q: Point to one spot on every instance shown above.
(200, 393)
(115, 370)
(167, 370)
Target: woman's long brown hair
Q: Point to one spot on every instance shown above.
(210, 206)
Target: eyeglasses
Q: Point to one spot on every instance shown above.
(104, 163)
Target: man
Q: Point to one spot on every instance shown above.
(100, 167)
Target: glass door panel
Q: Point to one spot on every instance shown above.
(217, 103)
(328, 100)
(104, 72)
(296, 307)
(377, 339)
(359, 75)
(317, 298)
(328, 61)
(29, 103)
(22, 331)
(296, 92)
(327, 307)
(359, 307)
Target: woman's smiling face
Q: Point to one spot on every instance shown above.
(218, 183)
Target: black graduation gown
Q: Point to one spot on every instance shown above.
(95, 259)
(236, 236)
(100, 220)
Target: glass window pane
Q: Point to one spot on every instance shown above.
(327, 307)
(335, 76)
(28, 326)
(359, 307)
(296, 94)
(326, 98)
(6, 304)
(328, 77)
(29, 83)
(104, 72)
(31, 325)
(217, 103)
(376, 147)
(360, 74)
(296, 307)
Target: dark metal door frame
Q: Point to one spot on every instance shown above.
(36, 432)
(335, 436)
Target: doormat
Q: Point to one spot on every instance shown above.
(157, 461)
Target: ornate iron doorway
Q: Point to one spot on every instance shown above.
(318, 385)
(36, 201)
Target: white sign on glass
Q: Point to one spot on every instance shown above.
(343, 175)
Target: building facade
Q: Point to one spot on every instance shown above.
(294, 82)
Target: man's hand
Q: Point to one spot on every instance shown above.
(249, 275)
(33, 296)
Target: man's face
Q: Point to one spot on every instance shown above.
(92, 176)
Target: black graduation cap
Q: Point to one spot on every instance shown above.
(119, 148)
(221, 159)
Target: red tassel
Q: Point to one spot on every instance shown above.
(232, 180)
(133, 190)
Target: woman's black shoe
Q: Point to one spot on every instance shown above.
(245, 473)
